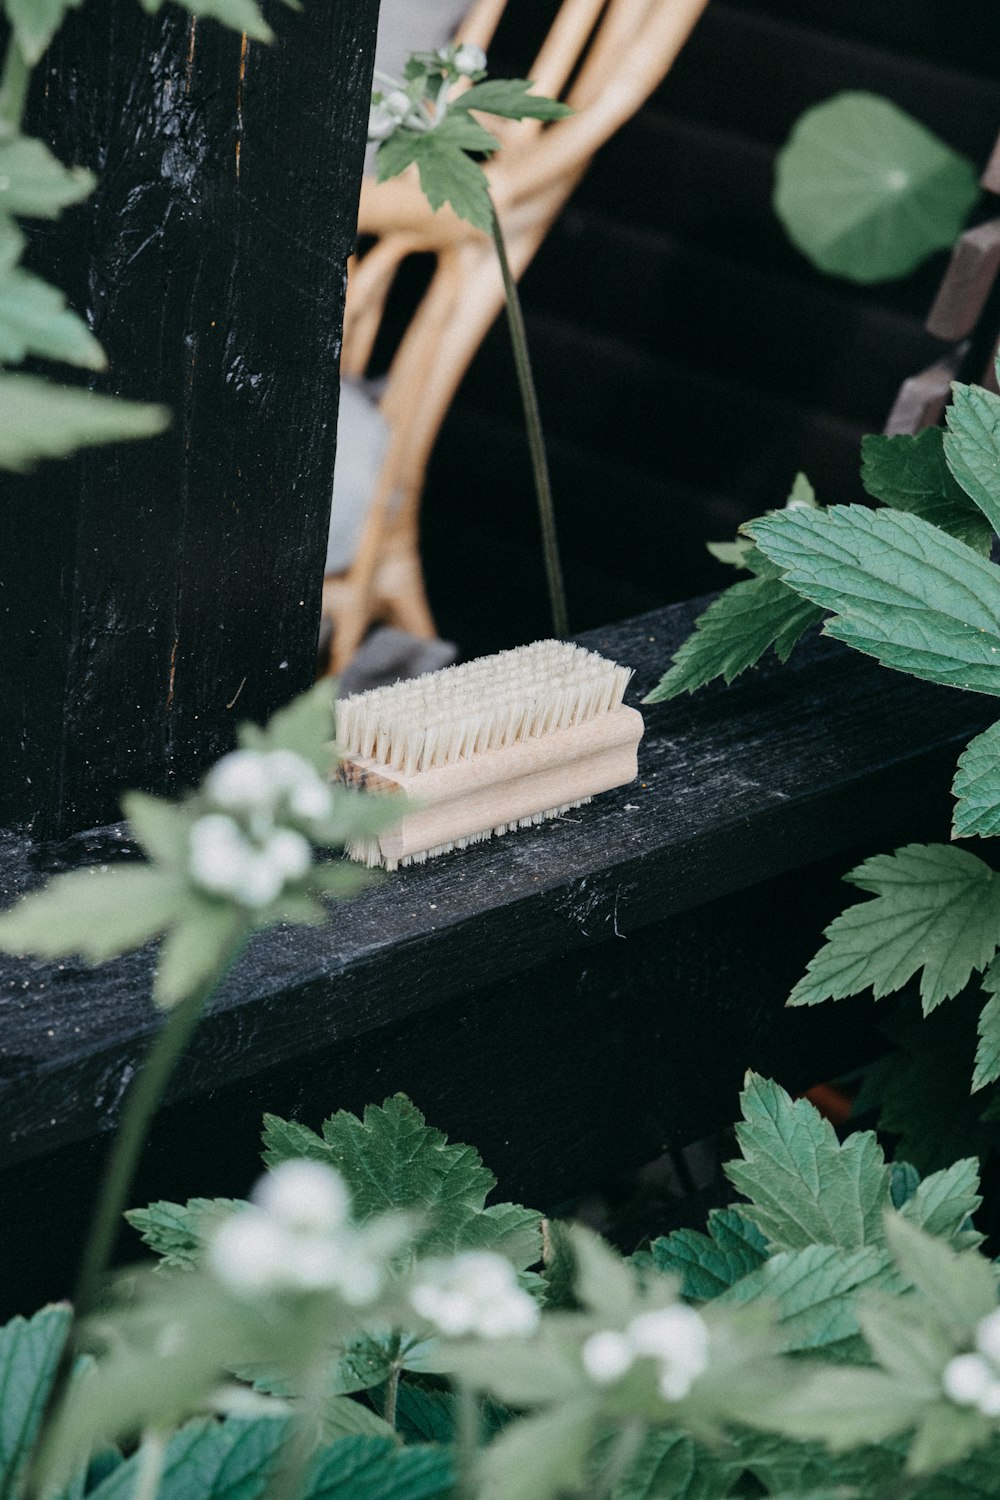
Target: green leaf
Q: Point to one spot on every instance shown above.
(39, 420)
(367, 1468)
(905, 1342)
(903, 591)
(36, 22)
(34, 183)
(461, 130)
(510, 97)
(29, 1355)
(805, 1187)
(447, 175)
(709, 1263)
(866, 192)
(945, 1433)
(539, 1457)
(198, 949)
(97, 912)
(815, 1290)
(670, 1466)
(393, 1160)
(603, 1282)
(960, 1285)
(844, 1407)
(304, 726)
(734, 632)
(178, 1231)
(799, 1468)
(430, 1416)
(161, 826)
(945, 1201)
(937, 908)
(238, 15)
(207, 1461)
(972, 446)
(987, 1068)
(976, 787)
(909, 473)
(34, 317)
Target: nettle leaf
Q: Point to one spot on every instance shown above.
(40, 420)
(368, 1468)
(908, 472)
(845, 1407)
(447, 175)
(97, 912)
(799, 1468)
(943, 1203)
(207, 1461)
(987, 1067)
(805, 1187)
(539, 1457)
(29, 1355)
(972, 446)
(179, 1231)
(815, 1289)
(238, 15)
(976, 787)
(959, 1284)
(393, 1160)
(461, 130)
(709, 1263)
(198, 949)
(34, 183)
(937, 909)
(734, 633)
(671, 1466)
(866, 191)
(511, 98)
(34, 317)
(903, 591)
(36, 22)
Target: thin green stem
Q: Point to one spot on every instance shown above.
(536, 440)
(151, 1458)
(14, 82)
(624, 1451)
(468, 1431)
(391, 1394)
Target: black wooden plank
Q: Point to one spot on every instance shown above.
(148, 587)
(736, 787)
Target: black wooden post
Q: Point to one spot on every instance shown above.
(153, 593)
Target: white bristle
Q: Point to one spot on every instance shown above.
(479, 706)
(368, 851)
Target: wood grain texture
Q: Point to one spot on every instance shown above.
(153, 591)
(736, 786)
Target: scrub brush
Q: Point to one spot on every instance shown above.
(495, 744)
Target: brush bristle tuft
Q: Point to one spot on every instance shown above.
(482, 705)
(369, 852)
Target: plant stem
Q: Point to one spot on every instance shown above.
(14, 85)
(150, 1461)
(536, 440)
(391, 1394)
(467, 1434)
(624, 1451)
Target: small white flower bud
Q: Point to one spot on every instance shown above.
(218, 853)
(260, 882)
(469, 59)
(988, 1337)
(250, 1253)
(989, 1401)
(606, 1356)
(310, 799)
(306, 1196)
(677, 1337)
(474, 1293)
(289, 853)
(967, 1378)
(239, 780)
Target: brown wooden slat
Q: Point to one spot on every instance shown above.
(922, 398)
(967, 282)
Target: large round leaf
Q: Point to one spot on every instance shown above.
(866, 192)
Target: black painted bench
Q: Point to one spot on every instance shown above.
(571, 999)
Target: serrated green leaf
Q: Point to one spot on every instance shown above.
(198, 949)
(34, 319)
(975, 1478)
(798, 1468)
(29, 1355)
(208, 1461)
(814, 1289)
(34, 183)
(905, 1342)
(40, 420)
(847, 1407)
(161, 826)
(97, 912)
(603, 1283)
(734, 633)
(709, 1263)
(866, 191)
(904, 592)
(946, 1433)
(430, 1416)
(976, 787)
(972, 446)
(461, 130)
(178, 1231)
(447, 175)
(511, 98)
(671, 1466)
(36, 22)
(908, 472)
(945, 1201)
(393, 1160)
(959, 1285)
(937, 909)
(365, 1468)
(805, 1187)
(987, 1068)
(305, 726)
(238, 15)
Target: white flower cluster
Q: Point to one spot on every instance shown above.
(297, 1236)
(974, 1379)
(475, 1293)
(675, 1337)
(244, 848)
(467, 59)
(388, 113)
